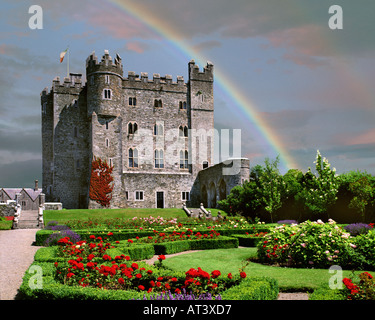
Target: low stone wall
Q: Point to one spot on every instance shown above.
(52, 206)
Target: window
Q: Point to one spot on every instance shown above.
(158, 103)
(106, 125)
(159, 158)
(182, 105)
(110, 162)
(185, 196)
(132, 128)
(92, 80)
(107, 94)
(107, 79)
(184, 159)
(78, 164)
(139, 196)
(126, 195)
(183, 131)
(45, 107)
(75, 132)
(23, 204)
(107, 142)
(132, 101)
(133, 158)
(158, 130)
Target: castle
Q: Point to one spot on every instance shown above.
(158, 134)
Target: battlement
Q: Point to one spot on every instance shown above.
(206, 75)
(107, 64)
(73, 83)
(156, 79)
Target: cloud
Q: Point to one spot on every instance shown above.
(207, 45)
(136, 46)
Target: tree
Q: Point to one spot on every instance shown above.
(320, 192)
(272, 186)
(101, 182)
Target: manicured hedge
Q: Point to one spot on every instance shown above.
(326, 293)
(246, 240)
(203, 244)
(253, 289)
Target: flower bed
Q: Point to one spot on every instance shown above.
(91, 265)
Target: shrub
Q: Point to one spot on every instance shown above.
(309, 244)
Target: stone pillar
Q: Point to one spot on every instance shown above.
(42, 199)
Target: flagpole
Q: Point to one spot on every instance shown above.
(68, 63)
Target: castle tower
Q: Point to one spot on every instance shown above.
(104, 98)
(201, 102)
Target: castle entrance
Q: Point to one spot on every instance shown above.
(160, 199)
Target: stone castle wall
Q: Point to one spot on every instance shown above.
(111, 116)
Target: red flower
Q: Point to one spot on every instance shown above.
(158, 284)
(92, 237)
(130, 241)
(121, 281)
(243, 275)
(215, 274)
(69, 275)
(161, 257)
(140, 287)
(134, 265)
(230, 276)
(149, 271)
(139, 276)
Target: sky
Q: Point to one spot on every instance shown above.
(290, 83)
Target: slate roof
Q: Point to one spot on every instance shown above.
(11, 192)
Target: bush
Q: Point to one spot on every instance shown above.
(53, 238)
(253, 289)
(249, 240)
(309, 244)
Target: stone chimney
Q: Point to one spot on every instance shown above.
(36, 185)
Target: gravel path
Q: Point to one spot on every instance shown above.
(16, 255)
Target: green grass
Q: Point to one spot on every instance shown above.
(86, 214)
(230, 260)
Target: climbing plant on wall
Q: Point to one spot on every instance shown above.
(101, 182)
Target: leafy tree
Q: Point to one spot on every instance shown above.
(101, 182)
(271, 186)
(320, 191)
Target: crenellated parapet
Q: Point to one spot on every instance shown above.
(157, 82)
(207, 74)
(106, 65)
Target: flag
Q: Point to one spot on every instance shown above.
(62, 55)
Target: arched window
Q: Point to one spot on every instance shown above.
(182, 105)
(184, 159)
(132, 127)
(158, 130)
(183, 131)
(159, 158)
(133, 158)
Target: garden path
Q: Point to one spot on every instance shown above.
(16, 255)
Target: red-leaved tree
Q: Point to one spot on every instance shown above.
(101, 182)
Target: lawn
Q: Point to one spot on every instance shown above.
(86, 214)
(230, 260)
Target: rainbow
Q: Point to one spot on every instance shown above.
(242, 104)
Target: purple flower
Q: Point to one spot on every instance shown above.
(357, 228)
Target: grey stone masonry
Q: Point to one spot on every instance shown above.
(156, 132)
